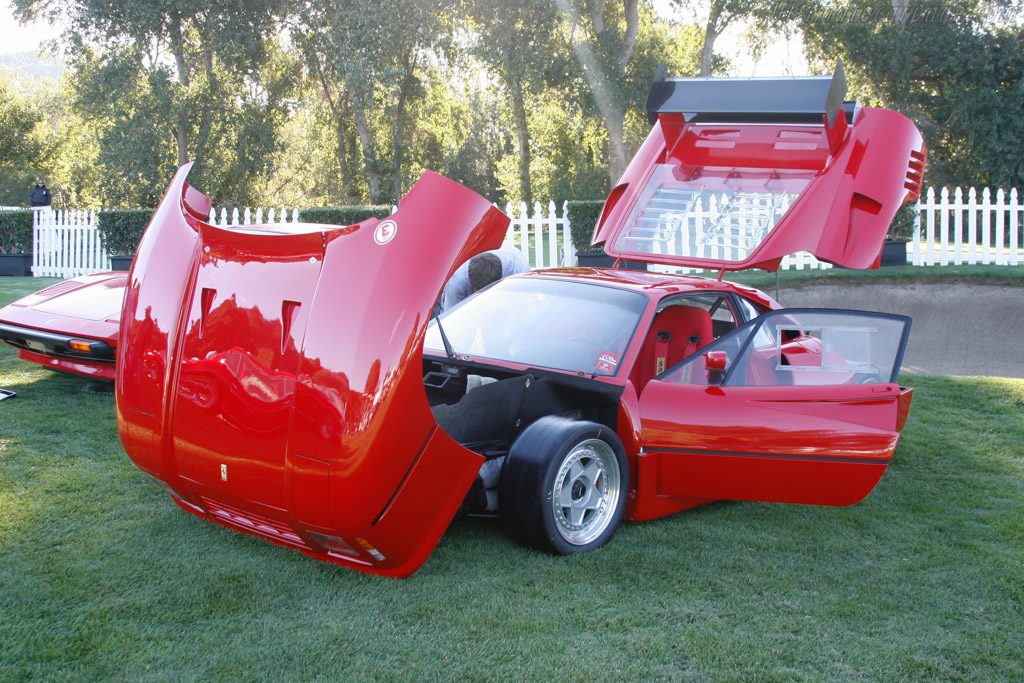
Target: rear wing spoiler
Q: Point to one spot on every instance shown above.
(738, 173)
(751, 100)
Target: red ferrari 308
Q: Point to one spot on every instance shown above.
(70, 327)
(290, 381)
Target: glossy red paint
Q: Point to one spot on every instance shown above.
(84, 309)
(286, 437)
(841, 203)
(771, 444)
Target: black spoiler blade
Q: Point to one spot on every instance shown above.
(751, 100)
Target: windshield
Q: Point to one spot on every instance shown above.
(560, 324)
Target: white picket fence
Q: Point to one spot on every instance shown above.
(951, 231)
(67, 244)
(957, 231)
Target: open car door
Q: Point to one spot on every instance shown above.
(797, 406)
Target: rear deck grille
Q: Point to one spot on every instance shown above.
(59, 288)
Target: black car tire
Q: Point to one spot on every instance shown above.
(563, 486)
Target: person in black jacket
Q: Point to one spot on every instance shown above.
(40, 194)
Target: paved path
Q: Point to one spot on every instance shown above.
(958, 329)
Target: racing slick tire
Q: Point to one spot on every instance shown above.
(563, 486)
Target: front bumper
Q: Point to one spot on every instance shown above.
(63, 352)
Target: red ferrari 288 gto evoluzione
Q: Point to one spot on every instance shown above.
(291, 381)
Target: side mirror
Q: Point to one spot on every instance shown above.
(715, 361)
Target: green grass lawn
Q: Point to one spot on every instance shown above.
(103, 577)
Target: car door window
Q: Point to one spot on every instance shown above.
(802, 347)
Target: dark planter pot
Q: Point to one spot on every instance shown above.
(18, 265)
(121, 262)
(599, 259)
(894, 253)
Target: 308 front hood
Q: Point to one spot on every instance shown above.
(271, 376)
(88, 306)
(738, 173)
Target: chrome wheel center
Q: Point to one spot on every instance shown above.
(585, 491)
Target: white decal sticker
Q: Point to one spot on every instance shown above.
(385, 232)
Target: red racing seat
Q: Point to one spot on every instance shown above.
(676, 332)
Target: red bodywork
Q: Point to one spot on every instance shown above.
(750, 194)
(284, 439)
(272, 378)
(85, 310)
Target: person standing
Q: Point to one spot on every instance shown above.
(40, 194)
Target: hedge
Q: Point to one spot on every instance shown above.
(583, 217)
(343, 215)
(122, 230)
(15, 232)
(902, 226)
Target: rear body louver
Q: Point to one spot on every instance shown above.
(738, 173)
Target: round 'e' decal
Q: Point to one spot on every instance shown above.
(385, 232)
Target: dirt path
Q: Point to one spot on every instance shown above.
(958, 329)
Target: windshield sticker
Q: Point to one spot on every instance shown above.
(607, 362)
(385, 232)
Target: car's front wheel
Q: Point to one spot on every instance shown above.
(563, 486)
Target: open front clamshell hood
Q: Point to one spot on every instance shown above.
(270, 376)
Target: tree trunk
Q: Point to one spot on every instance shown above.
(184, 78)
(409, 62)
(632, 28)
(711, 33)
(900, 9)
(336, 104)
(523, 131)
(617, 157)
(181, 135)
(612, 110)
(342, 156)
(708, 50)
(369, 158)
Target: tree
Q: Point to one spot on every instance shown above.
(517, 42)
(618, 48)
(24, 153)
(603, 37)
(955, 68)
(720, 14)
(166, 83)
(368, 59)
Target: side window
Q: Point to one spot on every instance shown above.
(723, 318)
(719, 307)
(803, 347)
(748, 310)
